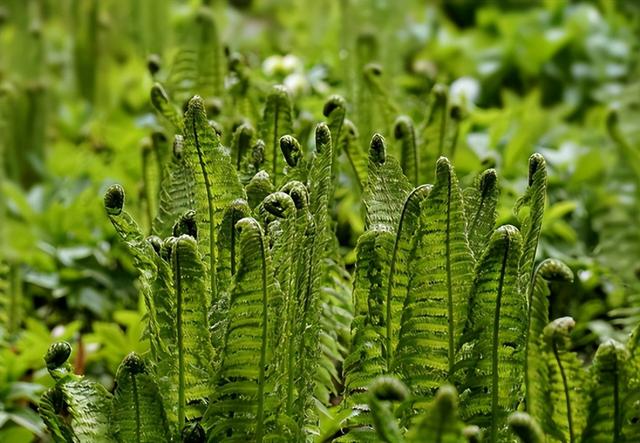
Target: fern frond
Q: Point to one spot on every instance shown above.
(335, 110)
(535, 370)
(533, 198)
(276, 122)
(563, 393)
(526, 428)
(137, 411)
(50, 409)
(433, 135)
(405, 133)
(162, 104)
(495, 330)
(296, 165)
(480, 202)
(387, 188)
(350, 144)
(241, 404)
(382, 392)
(440, 280)
(194, 352)
(607, 392)
(241, 143)
(440, 422)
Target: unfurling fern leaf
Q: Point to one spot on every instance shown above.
(405, 133)
(536, 374)
(137, 413)
(334, 110)
(349, 144)
(242, 403)
(441, 270)
(533, 198)
(162, 104)
(276, 122)
(526, 428)
(382, 392)
(495, 330)
(296, 165)
(607, 394)
(563, 393)
(86, 404)
(434, 134)
(440, 422)
(481, 202)
(194, 353)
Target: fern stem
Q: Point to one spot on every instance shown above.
(565, 386)
(449, 288)
(181, 374)
(136, 401)
(207, 185)
(495, 345)
(263, 348)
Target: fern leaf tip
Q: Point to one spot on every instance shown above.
(378, 149)
(334, 102)
(323, 136)
(133, 364)
(114, 199)
(291, 150)
(525, 427)
(57, 354)
(389, 388)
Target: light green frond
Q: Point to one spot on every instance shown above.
(440, 422)
(563, 394)
(252, 163)
(216, 179)
(50, 409)
(387, 188)
(526, 428)
(405, 134)
(382, 393)
(367, 358)
(480, 202)
(536, 369)
(434, 133)
(241, 404)
(350, 144)
(607, 392)
(399, 272)
(296, 165)
(162, 104)
(335, 110)
(534, 200)
(276, 122)
(194, 353)
(242, 143)
(496, 332)
(258, 188)
(441, 270)
(86, 404)
(137, 412)
(383, 108)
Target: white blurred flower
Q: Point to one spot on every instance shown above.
(272, 65)
(464, 91)
(296, 84)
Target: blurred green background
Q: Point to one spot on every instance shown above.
(557, 77)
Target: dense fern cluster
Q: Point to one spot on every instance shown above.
(258, 333)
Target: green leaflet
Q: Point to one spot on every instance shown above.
(495, 330)
(565, 399)
(434, 134)
(137, 412)
(276, 122)
(162, 104)
(440, 423)
(241, 143)
(49, 408)
(398, 280)
(194, 351)
(441, 269)
(405, 133)
(382, 392)
(177, 191)
(349, 144)
(241, 404)
(387, 188)
(335, 110)
(142, 252)
(535, 369)
(480, 202)
(86, 404)
(607, 394)
(216, 180)
(199, 65)
(367, 358)
(534, 199)
(292, 151)
(526, 428)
